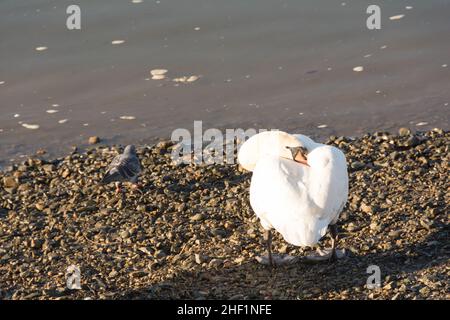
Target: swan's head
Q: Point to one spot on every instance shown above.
(299, 154)
(276, 144)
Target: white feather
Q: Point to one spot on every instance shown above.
(296, 200)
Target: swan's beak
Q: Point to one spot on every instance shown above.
(302, 161)
(299, 154)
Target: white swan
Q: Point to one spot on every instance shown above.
(298, 187)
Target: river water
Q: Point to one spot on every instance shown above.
(286, 64)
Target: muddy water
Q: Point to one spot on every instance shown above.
(285, 64)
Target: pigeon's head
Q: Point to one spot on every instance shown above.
(299, 154)
(130, 149)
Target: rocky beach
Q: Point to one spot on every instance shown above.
(191, 233)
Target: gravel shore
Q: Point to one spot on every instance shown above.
(191, 233)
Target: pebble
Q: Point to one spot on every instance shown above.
(412, 142)
(394, 233)
(192, 79)
(197, 217)
(113, 274)
(36, 243)
(93, 140)
(358, 69)
(125, 234)
(374, 226)
(198, 258)
(10, 182)
(404, 132)
(396, 17)
(356, 165)
(158, 72)
(366, 208)
(215, 263)
(48, 168)
(158, 77)
(30, 126)
(160, 254)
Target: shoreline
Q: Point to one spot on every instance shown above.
(192, 232)
(82, 145)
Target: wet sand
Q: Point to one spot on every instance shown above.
(263, 64)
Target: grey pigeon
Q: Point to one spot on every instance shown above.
(124, 167)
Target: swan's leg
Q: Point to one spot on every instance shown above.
(334, 234)
(268, 239)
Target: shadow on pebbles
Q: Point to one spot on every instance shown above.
(192, 234)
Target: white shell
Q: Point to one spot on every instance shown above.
(158, 72)
(158, 77)
(30, 126)
(127, 117)
(397, 17)
(192, 78)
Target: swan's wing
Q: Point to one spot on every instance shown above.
(330, 192)
(279, 197)
(340, 183)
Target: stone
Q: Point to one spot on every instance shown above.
(197, 217)
(93, 140)
(404, 132)
(10, 182)
(48, 168)
(366, 208)
(356, 165)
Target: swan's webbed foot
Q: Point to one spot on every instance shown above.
(330, 255)
(274, 260)
(322, 255)
(277, 260)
